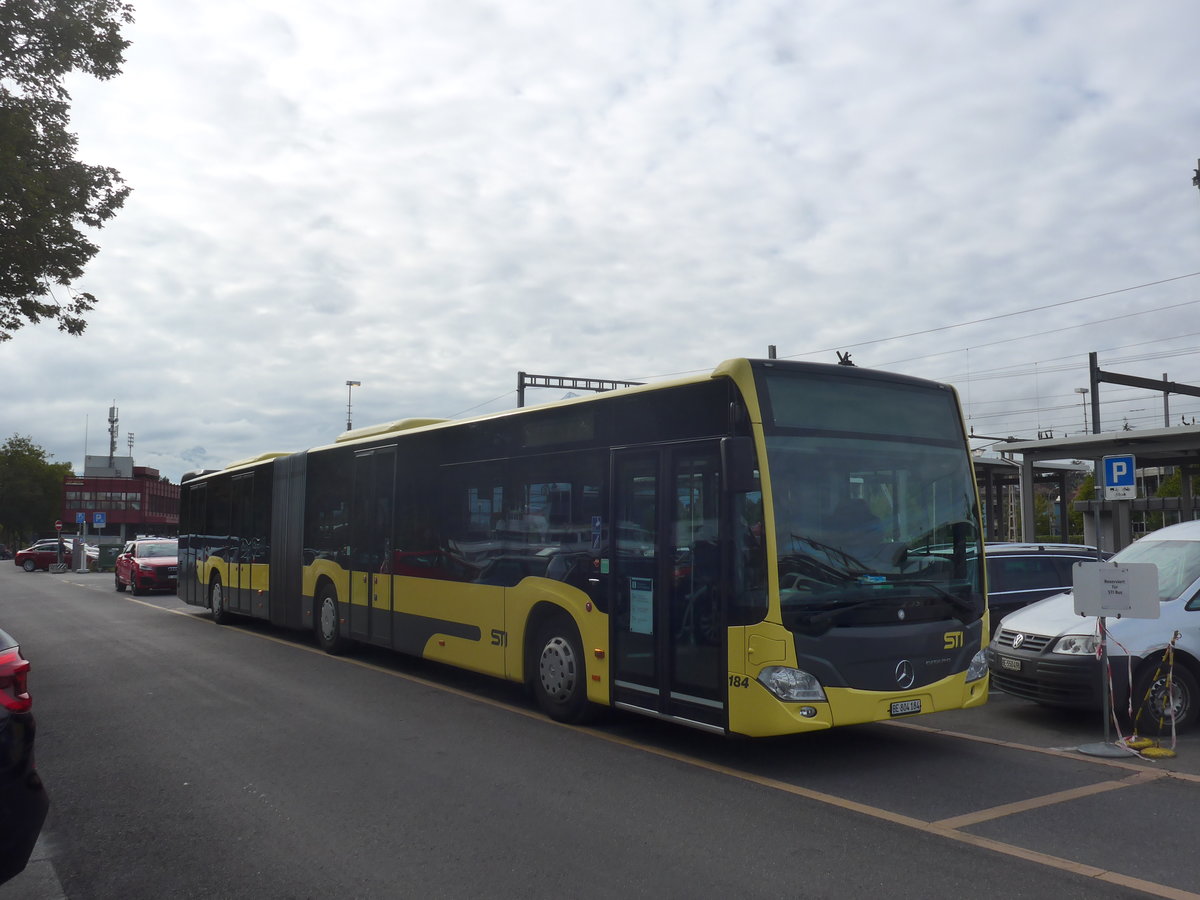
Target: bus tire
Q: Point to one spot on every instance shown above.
(328, 624)
(1154, 708)
(216, 601)
(559, 675)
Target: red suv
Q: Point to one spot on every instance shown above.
(148, 564)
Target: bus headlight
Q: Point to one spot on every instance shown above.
(978, 667)
(1077, 645)
(791, 685)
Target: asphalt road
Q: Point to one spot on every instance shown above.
(186, 759)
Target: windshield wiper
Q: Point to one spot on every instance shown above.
(815, 622)
(964, 610)
(830, 551)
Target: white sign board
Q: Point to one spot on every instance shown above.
(1111, 589)
(1119, 481)
(641, 605)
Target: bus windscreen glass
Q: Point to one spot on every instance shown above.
(874, 504)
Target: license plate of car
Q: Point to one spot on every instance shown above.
(906, 707)
(1013, 665)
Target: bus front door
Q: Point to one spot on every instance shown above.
(668, 628)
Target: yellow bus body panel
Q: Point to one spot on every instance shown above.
(475, 605)
(520, 602)
(756, 712)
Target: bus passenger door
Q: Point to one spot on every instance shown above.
(238, 588)
(668, 627)
(371, 545)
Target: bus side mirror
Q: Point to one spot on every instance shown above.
(740, 465)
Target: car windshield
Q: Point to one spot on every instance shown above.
(158, 548)
(1178, 563)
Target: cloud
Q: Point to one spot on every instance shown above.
(436, 196)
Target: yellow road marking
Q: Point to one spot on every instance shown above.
(945, 828)
(1009, 809)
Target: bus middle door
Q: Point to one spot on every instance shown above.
(371, 545)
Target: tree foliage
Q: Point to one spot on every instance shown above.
(45, 192)
(31, 490)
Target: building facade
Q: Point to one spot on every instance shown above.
(117, 500)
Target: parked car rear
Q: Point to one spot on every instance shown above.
(23, 797)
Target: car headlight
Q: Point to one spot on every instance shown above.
(1077, 645)
(791, 685)
(978, 667)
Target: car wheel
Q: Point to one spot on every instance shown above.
(120, 585)
(134, 587)
(329, 622)
(1159, 708)
(216, 602)
(558, 673)
(29, 565)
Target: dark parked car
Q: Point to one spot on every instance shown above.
(23, 798)
(1019, 574)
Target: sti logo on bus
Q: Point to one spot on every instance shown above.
(952, 640)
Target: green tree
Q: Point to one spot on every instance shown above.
(45, 192)
(31, 490)
(1087, 491)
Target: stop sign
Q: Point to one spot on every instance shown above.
(58, 525)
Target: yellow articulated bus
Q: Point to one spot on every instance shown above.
(770, 548)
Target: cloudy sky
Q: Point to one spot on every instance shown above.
(429, 197)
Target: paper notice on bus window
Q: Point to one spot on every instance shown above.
(641, 605)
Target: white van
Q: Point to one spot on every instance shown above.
(1046, 652)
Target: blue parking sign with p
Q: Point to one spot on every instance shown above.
(1119, 481)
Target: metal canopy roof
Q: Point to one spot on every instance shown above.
(1159, 446)
(1154, 447)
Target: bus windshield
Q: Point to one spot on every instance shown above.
(874, 504)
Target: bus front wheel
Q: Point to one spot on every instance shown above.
(559, 675)
(329, 623)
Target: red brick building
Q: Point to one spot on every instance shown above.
(129, 499)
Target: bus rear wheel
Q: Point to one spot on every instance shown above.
(216, 602)
(329, 623)
(559, 675)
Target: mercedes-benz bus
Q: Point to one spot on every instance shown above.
(771, 547)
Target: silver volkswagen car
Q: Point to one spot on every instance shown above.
(1046, 652)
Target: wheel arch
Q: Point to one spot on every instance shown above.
(1182, 658)
(595, 656)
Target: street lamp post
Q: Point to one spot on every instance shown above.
(350, 386)
(1083, 392)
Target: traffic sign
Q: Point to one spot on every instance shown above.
(99, 520)
(80, 518)
(58, 525)
(1119, 483)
